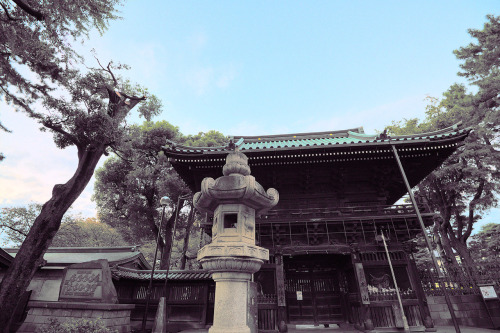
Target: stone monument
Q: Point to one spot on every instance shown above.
(89, 282)
(233, 257)
(86, 291)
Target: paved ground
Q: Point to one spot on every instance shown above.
(336, 329)
(464, 329)
(440, 329)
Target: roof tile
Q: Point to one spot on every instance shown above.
(128, 273)
(320, 139)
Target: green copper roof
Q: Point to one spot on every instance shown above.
(320, 141)
(352, 137)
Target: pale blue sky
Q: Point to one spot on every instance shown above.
(262, 67)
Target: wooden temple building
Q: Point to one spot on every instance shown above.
(338, 191)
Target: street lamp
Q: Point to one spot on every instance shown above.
(163, 202)
(177, 210)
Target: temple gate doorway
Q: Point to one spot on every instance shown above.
(315, 288)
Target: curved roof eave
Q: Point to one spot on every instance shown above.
(356, 140)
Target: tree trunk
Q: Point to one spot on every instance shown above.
(155, 228)
(448, 255)
(186, 237)
(168, 241)
(30, 255)
(467, 261)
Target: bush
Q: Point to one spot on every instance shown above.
(76, 326)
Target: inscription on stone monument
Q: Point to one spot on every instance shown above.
(82, 283)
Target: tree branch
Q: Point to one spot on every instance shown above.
(472, 206)
(133, 98)
(35, 13)
(459, 219)
(13, 229)
(118, 100)
(8, 14)
(120, 156)
(116, 96)
(108, 69)
(60, 130)
(20, 103)
(5, 129)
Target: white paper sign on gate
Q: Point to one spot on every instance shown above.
(488, 292)
(299, 296)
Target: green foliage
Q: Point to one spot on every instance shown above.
(481, 66)
(85, 116)
(421, 253)
(130, 185)
(195, 237)
(16, 222)
(35, 44)
(74, 232)
(468, 183)
(80, 325)
(40, 75)
(485, 245)
(35, 47)
(209, 139)
(87, 233)
(454, 107)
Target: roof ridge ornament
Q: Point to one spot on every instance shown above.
(383, 135)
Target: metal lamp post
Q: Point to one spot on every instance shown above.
(163, 202)
(177, 210)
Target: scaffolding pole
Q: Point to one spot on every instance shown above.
(427, 241)
(403, 316)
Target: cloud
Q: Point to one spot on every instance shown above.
(197, 41)
(252, 128)
(33, 165)
(149, 63)
(199, 79)
(206, 79)
(372, 119)
(226, 76)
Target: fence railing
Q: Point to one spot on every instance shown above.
(460, 280)
(390, 295)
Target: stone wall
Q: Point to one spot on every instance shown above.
(470, 310)
(44, 285)
(114, 316)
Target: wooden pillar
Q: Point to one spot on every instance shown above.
(280, 292)
(364, 311)
(419, 291)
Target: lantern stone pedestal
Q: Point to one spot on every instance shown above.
(233, 257)
(233, 303)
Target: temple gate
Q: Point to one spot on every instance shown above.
(338, 193)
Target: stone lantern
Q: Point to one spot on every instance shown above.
(233, 257)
